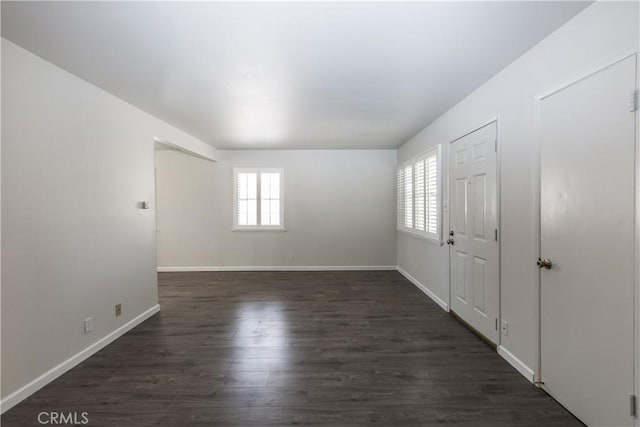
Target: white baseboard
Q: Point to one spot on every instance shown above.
(280, 268)
(506, 354)
(44, 379)
(424, 289)
(516, 363)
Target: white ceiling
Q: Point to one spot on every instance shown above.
(286, 75)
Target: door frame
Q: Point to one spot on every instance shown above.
(496, 120)
(538, 220)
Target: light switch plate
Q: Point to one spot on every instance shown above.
(88, 325)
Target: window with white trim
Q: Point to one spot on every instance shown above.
(258, 199)
(419, 196)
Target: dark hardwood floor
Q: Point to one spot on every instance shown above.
(295, 348)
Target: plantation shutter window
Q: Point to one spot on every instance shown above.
(418, 192)
(258, 199)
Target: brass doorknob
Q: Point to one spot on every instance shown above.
(450, 242)
(544, 263)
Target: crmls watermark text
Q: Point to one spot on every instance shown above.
(61, 418)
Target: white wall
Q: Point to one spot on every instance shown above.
(339, 210)
(75, 163)
(603, 33)
(76, 160)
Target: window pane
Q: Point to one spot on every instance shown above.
(265, 185)
(275, 219)
(400, 195)
(270, 198)
(275, 212)
(432, 194)
(242, 186)
(252, 215)
(247, 186)
(242, 212)
(265, 212)
(408, 197)
(252, 187)
(275, 185)
(419, 218)
(275, 206)
(246, 198)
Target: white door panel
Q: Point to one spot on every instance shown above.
(473, 222)
(587, 231)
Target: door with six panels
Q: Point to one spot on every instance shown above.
(473, 235)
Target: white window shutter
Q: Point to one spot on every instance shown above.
(270, 198)
(400, 197)
(258, 199)
(419, 194)
(247, 199)
(408, 196)
(432, 208)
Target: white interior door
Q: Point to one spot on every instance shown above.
(473, 241)
(587, 233)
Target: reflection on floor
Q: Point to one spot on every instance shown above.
(295, 348)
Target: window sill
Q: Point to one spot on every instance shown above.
(277, 229)
(421, 237)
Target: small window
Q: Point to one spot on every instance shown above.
(258, 199)
(419, 195)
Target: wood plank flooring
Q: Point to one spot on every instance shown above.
(295, 348)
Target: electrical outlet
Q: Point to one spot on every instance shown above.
(505, 328)
(88, 325)
(118, 309)
(291, 256)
